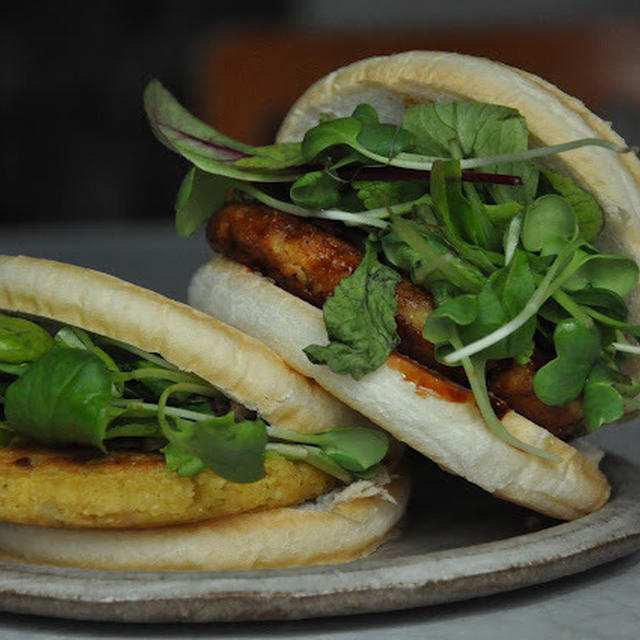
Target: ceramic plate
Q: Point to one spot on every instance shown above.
(457, 543)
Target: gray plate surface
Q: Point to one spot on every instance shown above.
(457, 543)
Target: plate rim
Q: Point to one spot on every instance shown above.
(365, 586)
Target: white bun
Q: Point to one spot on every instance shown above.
(353, 525)
(392, 82)
(246, 370)
(242, 367)
(450, 433)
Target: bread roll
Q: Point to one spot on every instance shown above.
(451, 433)
(343, 525)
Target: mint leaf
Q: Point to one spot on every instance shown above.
(360, 320)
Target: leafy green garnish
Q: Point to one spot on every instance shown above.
(22, 340)
(114, 395)
(63, 398)
(577, 348)
(360, 320)
(200, 196)
(234, 450)
(603, 402)
(210, 150)
(586, 207)
(356, 449)
(509, 262)
(479, 130)
(315, 190)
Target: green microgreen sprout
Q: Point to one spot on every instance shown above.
(93, 393)
(516, 240)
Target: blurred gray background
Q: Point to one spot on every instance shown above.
(75, 143)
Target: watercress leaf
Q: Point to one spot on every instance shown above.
(603, 403)
(385, 140)
(73, 338)
(22, 340)
(63, 398)
(204, 146)
(158, 382)
(553, 312)
(491, 314)
(200, 195)
(562, 379)
(588, 211)
(461, 310)
(360, 320)
(328, 134)
(233, 450)
(76, 338)
(13, 369)
(549, 224)
(315, 190)
(354, 448)
(312, 455)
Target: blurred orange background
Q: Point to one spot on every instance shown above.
(247, 79)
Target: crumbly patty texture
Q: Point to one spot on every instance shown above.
(126, 489)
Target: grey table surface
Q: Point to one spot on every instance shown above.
(599, 603)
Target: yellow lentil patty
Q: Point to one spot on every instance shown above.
(128, 489)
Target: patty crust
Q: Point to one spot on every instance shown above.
(67, 488)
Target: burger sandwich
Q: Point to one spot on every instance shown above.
(139, 433)
(444, 243)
